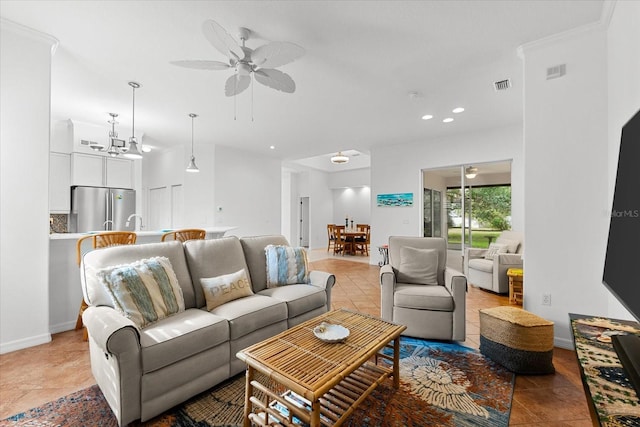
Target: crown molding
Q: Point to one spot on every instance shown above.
(601, 25)
(22, 30)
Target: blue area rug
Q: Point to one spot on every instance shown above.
(441, 384)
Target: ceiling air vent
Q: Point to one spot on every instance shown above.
(556, 71)
(502, 84)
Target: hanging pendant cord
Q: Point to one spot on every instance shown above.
(252, 78)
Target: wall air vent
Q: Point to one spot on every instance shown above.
(502, 84)
(556, 71)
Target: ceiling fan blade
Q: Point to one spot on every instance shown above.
(220, 39)
(275, 79)
(236, 84)
(201, 64)
(276, 54)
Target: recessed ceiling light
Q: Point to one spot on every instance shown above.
(458, 110)
(272, 147)
(427, 117)
(447, 120)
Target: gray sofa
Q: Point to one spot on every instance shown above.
(143, 372)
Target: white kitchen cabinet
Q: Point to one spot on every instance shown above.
(59, 183)
(101, 171)
(118, 173)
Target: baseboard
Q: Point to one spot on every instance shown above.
(20, 344)
(62, 327)
(563, 343)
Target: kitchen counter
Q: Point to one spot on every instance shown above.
(65, 292)
(212, 232)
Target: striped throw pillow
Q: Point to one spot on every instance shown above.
(144, 291)
(286, 266)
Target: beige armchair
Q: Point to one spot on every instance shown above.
(419, 291)
(491, 273)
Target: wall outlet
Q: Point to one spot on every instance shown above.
(546, 299)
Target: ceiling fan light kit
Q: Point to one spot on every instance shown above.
(339, 158)
(471, 172)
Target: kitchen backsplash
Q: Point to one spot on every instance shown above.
(59, 224)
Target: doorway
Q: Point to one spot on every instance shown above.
(304, 222)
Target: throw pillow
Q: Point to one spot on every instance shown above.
(494, 249)
(286, 266)
(222, 289)
(512, 245)
(418, 266)
(144, 291)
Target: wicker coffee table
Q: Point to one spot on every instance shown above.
(311, 382)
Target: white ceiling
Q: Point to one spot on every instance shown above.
(362, 60)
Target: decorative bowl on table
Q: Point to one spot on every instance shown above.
(331, 333)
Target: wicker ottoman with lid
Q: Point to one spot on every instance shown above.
(517, 339)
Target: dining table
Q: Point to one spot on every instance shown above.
(351, 234)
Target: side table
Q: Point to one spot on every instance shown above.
(516, 291)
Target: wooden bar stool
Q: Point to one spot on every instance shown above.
(100, 240)
(185, 234)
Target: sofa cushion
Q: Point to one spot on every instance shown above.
(212, 258)
(300, 299)
(512, 245)
(286, 265)
(253, 248)
(96, 294)
(423, 297)
(419, 266)
(221, 289)
(494, 249)
(481, 264)
(181, 336)
(251, 313)
(144, 291)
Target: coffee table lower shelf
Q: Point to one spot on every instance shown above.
(290, 409)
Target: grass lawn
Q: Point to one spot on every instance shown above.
(480, 237)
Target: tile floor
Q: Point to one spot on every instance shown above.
(40, 374)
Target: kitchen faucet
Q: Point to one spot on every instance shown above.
(133, 216)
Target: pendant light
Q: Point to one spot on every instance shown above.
(133, 152)
(192, 163)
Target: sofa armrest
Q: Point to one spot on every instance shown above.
(387, 287)
(457, 284)
(322, 279)
(472, 253)
(112, 332)
(508, 259)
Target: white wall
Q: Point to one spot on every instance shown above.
(25, 87)
(566, 177)
(398, 169)
(353, 203)
(624, 95)
(247, 188)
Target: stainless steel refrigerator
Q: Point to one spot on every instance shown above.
(101, 209)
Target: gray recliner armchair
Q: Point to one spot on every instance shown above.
(419, 291)
(491, 273)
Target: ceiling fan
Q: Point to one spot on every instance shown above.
(259, 63)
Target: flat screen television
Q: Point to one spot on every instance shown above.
(622, 263)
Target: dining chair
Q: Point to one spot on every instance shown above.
(341, 244)
(100, 240)
(362, 242)
(185, 234)
(331, 236)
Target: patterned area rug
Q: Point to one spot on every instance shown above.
(442, 384)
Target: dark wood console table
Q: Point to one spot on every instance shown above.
(612, 399)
